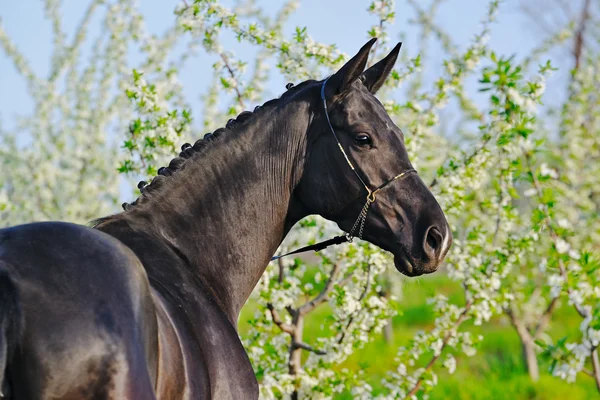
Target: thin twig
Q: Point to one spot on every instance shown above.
(587, 372)
(323, 295)
(362, 296)
(447, 338)
(232, 73)
(553, 234)
(539, 20)
(466, 161)
(78, 39)
(545, 318)
(374, 50)
(426, 19)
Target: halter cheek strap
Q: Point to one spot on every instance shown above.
(359, 224)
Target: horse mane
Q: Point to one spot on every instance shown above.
(189, 151)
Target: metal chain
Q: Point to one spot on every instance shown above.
(364, 219)
(360, 221)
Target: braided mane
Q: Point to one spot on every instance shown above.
(189, 151)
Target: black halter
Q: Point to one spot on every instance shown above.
(371, 196)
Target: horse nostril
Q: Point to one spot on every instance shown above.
(433, 241)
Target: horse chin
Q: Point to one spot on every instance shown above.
(403, 264)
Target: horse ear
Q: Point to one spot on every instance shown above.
(341, 80)
(374, 77)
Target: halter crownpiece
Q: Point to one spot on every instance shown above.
(371, 196)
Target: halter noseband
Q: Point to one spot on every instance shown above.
(371, 195)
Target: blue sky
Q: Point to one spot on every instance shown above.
(343, 22)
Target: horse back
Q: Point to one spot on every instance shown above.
(90, 328)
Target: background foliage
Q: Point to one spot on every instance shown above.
(515, 311)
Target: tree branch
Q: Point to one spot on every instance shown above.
(447, 337)
(289, 329)
(375, 48)
(324, 295)
(304, 346)
(61, 63)
(465, 162)
(519, 326)
(535, 16)
(426, 18)
(553, 234)
(235, 86)
(52, 11)
(545, 318)
(19, 61)
(362, 296)
(580, 35)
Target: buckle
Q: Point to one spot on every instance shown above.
(371, 196)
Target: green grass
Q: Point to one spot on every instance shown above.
(497, 371)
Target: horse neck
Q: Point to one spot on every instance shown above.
(228, 210)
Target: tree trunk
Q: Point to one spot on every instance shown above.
(295, 363)
(530, 357)
(388, 332)
(596, 367)
(579, 36)
(527, 346)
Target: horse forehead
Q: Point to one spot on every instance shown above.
(366, 108)
(361, 107)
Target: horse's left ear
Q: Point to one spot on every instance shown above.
(341, 80)
(374, 77)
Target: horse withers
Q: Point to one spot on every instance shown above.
(145, 304)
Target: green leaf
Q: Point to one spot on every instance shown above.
(137, 75)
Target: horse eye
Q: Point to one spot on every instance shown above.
(362, 139)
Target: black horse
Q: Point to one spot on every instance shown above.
(145, 304)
